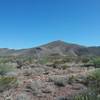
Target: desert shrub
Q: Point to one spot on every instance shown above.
(93, 87)
(71, 79)
(68, 59)
(96, 62)
(94, 81)
(44, 60)
(5, 68)
(93, 91)
(85, 60)
(7, 83)
(95, 75)
(64, 66)
(58, 80)
(85, 96)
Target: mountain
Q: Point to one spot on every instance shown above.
(54, 48)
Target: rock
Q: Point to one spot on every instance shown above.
(23, 96)
(79, 88)
(26, 67)
(63, 98)
(27, 72)
(38, 71)
(98, 96)
(81, 79)
(12, 74)
(48, 89)
(34, 65)
(9, 98)
(35, 87)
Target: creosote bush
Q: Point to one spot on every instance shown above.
(93, 87)
(96, 62)
(5, 68)
(85, 96)
(7, 83)
(64, 66)
(95, 75)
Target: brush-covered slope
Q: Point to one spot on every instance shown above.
(56, 47)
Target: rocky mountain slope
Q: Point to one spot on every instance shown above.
(56, 48)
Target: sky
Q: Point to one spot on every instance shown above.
(29, 23)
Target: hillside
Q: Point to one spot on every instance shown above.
(56, 47)
(60, 74)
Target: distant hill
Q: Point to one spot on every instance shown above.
(56, 47)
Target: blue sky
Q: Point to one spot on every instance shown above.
(29, 23)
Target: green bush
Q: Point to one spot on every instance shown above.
(96, 62)
(85, 60)
(95, 75)
(71, 79)
(93, 91)
(94, 81)
(58, 80)
(61, 82)
(7, 83)
(64, 66)
(86, 96)
(4, 68)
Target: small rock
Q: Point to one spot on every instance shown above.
(23, 96)
(12, 74)
(48, 89)
(35, 87)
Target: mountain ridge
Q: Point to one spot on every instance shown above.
(56, 47)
